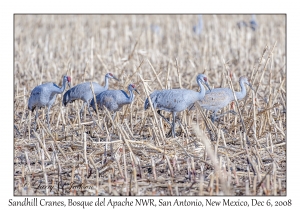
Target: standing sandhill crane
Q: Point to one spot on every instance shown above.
(253, 23)
(218, 98)
(176, 100)
(113, 100)
(199, 26)
(155, 28)
(83, 92)
(45, 95)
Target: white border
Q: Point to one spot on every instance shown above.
(153, 6)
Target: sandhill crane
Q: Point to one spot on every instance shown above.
(45, 95)
(113, 100)
(218, 98)
(83, 92)
(176, 100)
(155, 28)
(199, 26)
(252, 23)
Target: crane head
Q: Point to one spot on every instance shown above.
(202, 78)
(244, 79)
(69, 81)
(110, 75)
(132, 87)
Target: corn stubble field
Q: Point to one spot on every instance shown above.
(132, 155)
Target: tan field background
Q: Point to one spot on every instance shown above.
(132, 155)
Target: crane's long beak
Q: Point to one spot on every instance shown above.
(115, 78)
(207, 86)
(251, 86)
(137, 91)
(69, 84)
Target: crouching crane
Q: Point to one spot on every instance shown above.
(83, 92)
(114, 100)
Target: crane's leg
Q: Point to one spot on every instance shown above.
(213, 117)
(48, 117)
(88, 107)
(158, 112)
(26, 115)
(114, 115)
(220, 115)
(173, 125)
(36, 116)
(209, 130)
(17, 130)
(230, 111)
(82, 109)
(179, 121)
(191, 107)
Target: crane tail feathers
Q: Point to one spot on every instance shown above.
(66, 98)
(31, 106)
(92, 104)
(146, 105)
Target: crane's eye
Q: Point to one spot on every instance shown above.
(205, 79)
(132, 85)
(110, 74)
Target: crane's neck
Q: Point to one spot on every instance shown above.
(199, 20)
(63, 87)
(106, 83)
(202, 90)
(131, 96)
(242, 94)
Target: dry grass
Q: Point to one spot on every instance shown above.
(132, 156)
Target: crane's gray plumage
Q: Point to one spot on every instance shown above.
(44, 96)
(176, 100)
(252, 23)
(199, 26)
(83, 92)
(113, 100)
(218, 98)
(155, 28)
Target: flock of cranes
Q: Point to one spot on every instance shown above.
(170, 100)
(83, 92)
